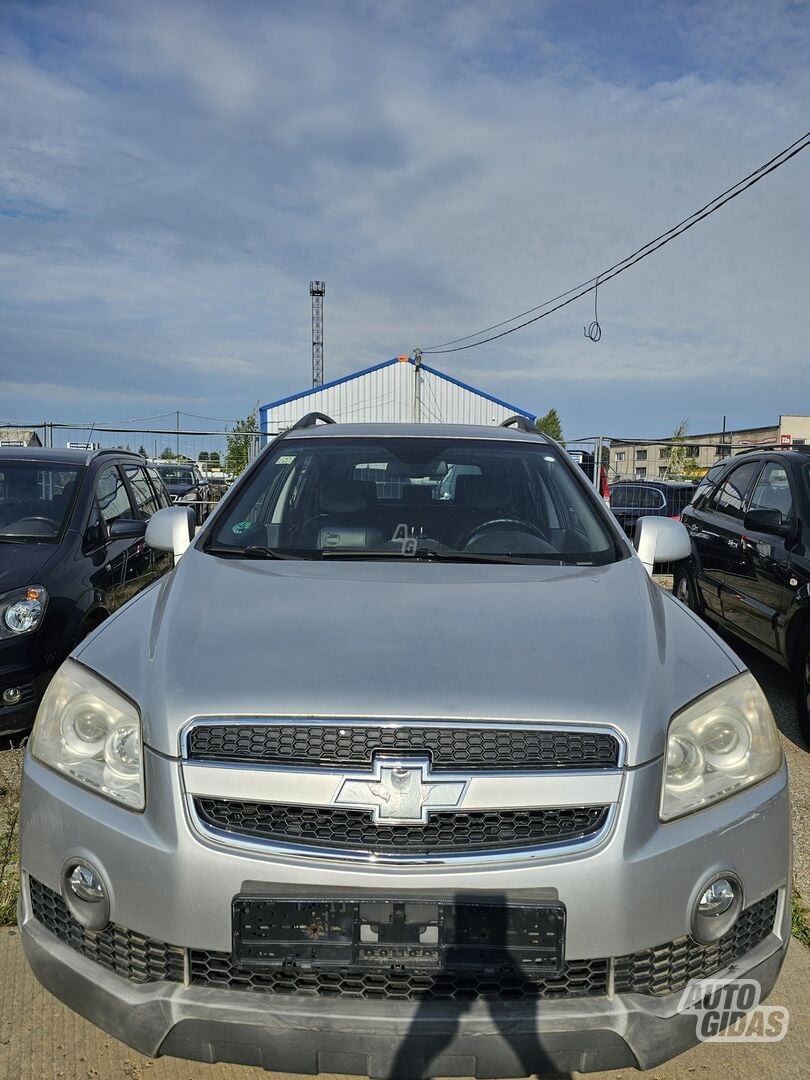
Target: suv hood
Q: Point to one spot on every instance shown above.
(582, 645)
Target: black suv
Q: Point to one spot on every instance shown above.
(633, 499)
(750, 566)
(187, 485)
(71, 551)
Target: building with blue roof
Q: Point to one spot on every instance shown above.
(396, 391)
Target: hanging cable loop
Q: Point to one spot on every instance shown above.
(593, 331)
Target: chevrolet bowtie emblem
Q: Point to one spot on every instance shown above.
(400, 791)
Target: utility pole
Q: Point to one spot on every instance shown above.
(178, 433)
(317, 290)
(417, 386)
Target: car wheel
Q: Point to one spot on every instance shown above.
(683, 586)
(801, 668)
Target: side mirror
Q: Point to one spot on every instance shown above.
(127, 529)
(766, 521)
(171, 529)
(661, 540)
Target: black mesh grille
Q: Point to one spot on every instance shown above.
(331, 827)
(582, 978)
(669, 968)
(448, 747)
(132, 955)
(663, 970)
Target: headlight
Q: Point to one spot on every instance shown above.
(718, 745)
(21, 610)
(189, 497)
(92, 734)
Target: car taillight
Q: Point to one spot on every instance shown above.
(675, 517)
(603, 484)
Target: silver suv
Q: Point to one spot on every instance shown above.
(387, 782)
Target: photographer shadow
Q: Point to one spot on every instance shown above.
(428, 1047)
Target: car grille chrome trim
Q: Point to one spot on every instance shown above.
(655, 972)
(405, 790)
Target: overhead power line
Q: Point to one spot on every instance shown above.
(577, 291)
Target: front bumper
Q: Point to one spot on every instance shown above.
(169, 884)
(382, 1039)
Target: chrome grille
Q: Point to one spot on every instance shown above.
(451, 747)
(333, 827)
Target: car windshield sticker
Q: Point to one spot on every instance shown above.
(241, 526)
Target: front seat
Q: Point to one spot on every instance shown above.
(346, 517)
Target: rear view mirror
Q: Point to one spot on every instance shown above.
(661, 540)
(766, 521)
(171, 529)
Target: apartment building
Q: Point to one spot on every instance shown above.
(652, 459)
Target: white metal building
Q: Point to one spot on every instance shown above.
(395, 391)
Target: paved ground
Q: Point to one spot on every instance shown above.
(42, 1040)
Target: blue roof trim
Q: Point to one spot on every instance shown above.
(264, 409)
(480, 393)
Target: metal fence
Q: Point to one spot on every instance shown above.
(207, 448)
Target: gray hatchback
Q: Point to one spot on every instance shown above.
(464, 793)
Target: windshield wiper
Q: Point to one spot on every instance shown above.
(252, 551)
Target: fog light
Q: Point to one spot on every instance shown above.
(86, 884)
(717, 899)
(717, 908)
(12, 695)
(86, 894)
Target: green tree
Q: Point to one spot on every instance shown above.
(168, 454)
(677, 464)
(213, 457)
(203, 456)
(142, 451)
(241, 442)
(550, 425)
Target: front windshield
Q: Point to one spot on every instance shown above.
(419, 497)
(34, 500)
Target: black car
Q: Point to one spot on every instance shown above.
(750, 566)
(72, 550)
(633, 499)
(186, 484)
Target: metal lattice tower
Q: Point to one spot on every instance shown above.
(317, 290)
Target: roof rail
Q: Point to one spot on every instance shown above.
(92, 454)
(310, 420)
(521, 422)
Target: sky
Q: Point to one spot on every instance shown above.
(173, 174)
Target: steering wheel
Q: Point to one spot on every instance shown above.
(29, 520)
(503, 524)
